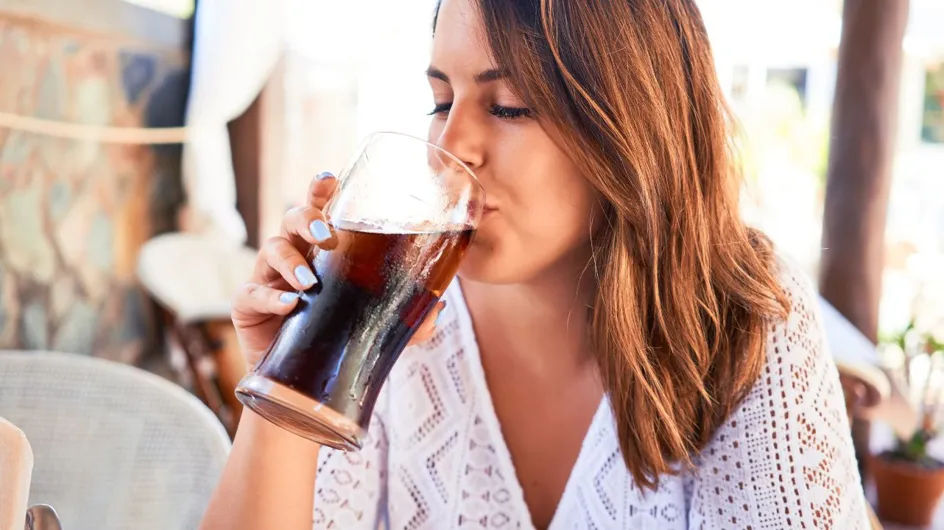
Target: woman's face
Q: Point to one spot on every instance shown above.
(539, 206)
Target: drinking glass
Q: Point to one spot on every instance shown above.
(402, 217)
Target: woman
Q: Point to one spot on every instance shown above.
(620, 350)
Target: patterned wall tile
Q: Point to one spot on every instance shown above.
(73, 213)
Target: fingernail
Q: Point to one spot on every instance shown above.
(320, 230)
(305, 276)
(325, 175)
(288, 298)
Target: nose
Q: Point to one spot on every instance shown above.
(464, 137)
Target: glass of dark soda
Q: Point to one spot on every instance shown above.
(402, 217)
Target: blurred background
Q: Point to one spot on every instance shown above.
(147, 146)
(299, 83)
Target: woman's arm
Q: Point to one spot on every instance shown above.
(268, 481)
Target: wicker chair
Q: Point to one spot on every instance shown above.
(114, 447)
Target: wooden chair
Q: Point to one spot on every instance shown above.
(193, 278)
(863, 388)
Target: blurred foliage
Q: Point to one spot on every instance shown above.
(781, 128)
(915, 344)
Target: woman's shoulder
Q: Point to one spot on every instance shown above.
(786, 450)
(796, 348)
(794, 279)
(800, 336)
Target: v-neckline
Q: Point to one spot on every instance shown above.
(490, 417)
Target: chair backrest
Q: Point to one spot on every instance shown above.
(115, 447)
(192, 275)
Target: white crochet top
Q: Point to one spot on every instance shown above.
(435, 457)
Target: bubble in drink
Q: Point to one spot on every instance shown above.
(373, 292)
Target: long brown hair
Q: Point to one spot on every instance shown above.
(685, 290)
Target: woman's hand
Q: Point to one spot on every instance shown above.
(281, 270)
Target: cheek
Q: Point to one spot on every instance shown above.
(546, 206)
(551, 200)
(556, 217)
(544, 224)
(435, 131)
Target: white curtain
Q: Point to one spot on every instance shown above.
(238, 43)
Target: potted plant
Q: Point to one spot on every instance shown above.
(909, 481)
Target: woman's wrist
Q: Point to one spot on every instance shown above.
(266, 436)
(268, 481)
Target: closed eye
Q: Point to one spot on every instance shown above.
(441, 108)
(510, 113)
(499, 111)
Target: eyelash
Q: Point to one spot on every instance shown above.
(505, 113)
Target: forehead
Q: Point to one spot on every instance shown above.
(459, 43)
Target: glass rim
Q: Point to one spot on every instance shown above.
(386, 133)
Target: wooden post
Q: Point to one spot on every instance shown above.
(861, 153)
(245, 136)
(865, 116)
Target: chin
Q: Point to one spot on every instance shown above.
(482, 264)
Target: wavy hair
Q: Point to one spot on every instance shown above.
(685, 291)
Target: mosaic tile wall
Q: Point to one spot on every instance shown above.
(73, 213)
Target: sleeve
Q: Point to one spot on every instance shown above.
(784, 459)
(350, 488)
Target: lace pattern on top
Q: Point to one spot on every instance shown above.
(436, 457)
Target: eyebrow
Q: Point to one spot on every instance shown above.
(487, 76)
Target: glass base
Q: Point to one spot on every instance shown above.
(299, 414)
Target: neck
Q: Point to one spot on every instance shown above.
(544, 320)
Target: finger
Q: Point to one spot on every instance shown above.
(321, 189)
(256, 302)
(427, 329)
(279, 259)
(420, 337)
(306, 226)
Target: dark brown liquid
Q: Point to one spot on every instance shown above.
(374, 289)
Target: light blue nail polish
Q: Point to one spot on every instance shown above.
(320, 230)
(325, 175)
(288, 298)
(305, 276)
(439, 317)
